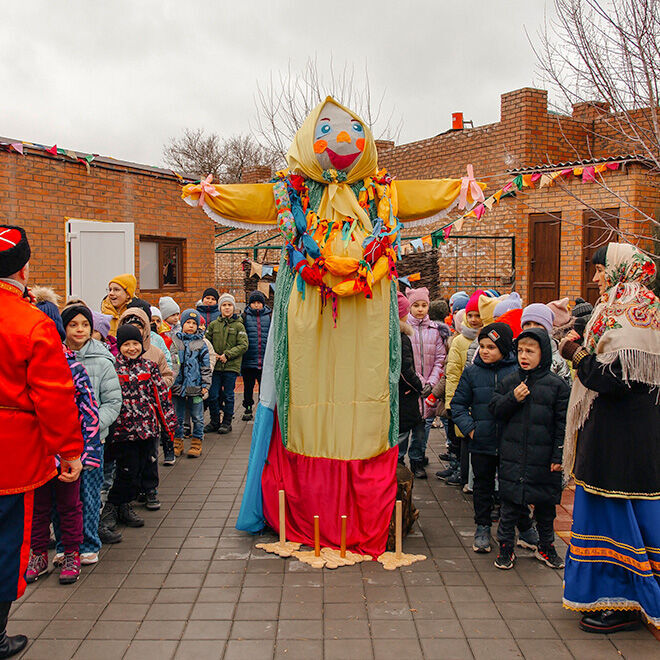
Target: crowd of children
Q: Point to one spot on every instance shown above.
(143, 377)
(489, 370)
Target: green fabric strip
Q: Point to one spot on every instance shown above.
(395, 366)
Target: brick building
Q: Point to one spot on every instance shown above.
(540, 242)
(172, 242)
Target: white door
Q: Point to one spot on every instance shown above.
(98, 251)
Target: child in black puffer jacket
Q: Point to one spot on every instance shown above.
(531, 404)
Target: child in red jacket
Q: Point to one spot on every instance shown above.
(144, 408)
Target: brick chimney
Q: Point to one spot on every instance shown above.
(524, 106)
(590, 110)
(257, 174)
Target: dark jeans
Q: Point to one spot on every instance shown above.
(149, 472)
(484, 467)
(65, 498)
(454, 442)
(181, 405)
(251, 376)
(130, 458)
(514, 515)
(221, 396)
(465, 460)
(417, 443)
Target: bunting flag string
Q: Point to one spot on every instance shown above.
(86, 160)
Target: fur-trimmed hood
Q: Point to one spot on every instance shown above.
(45, 294)
(406, 328)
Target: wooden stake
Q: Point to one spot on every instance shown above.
(282, 519)
(342, 552)
(317, 537)
(397, 530)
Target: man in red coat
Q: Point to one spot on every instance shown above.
(38, 419)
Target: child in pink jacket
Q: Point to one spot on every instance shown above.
(429, 351)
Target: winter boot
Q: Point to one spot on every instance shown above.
(70, 571)
(168, 452)
(247, 415)
(9, 645)
(548, 555)
(528, 539)
(482, 539)
(224, 428)
(178, 446)
(109, 516)
(417, 468)
(212, 426)
(152, 502)
(37, 566)
(455, 478)
(128, 516)
(108, 536)
(606, 622)
(195, 450)
(505, 559)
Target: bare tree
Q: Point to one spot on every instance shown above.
(284, 101)
(605, 54)
(199, 154)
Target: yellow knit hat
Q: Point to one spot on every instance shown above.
(487, 307)
(127, 282)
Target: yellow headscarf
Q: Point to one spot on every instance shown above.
(338, 199)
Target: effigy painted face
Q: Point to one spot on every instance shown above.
(338, 139)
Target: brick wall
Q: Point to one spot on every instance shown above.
(39, 192)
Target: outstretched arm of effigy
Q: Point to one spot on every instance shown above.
(422, 201)
(242, 205)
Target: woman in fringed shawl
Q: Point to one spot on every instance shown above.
(612, 450)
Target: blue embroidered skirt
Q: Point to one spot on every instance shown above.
(613, 561)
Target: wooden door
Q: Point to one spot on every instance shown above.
(598, 228)
(544, 251)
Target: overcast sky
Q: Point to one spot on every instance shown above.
(120, 77)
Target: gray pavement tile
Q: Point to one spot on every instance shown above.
(141, 649)
(31, 629)
(40, 594)
(298, 594)
(433, 579)
(86, 594)
(383, 629)
(51, 649)
(261, 594)
(168, 612)
(486, 628)
(113, 630)
(207, 630)
(200, 650)
(256, 611)
(546, 594)
(124, 612)
(494, 649)
(212, 611)
(344, 611)
(66, 629)
(433, 610)
(233, 565)
(532, 629)
(100, 580)
(143, 581)
(389, 611)
(194, 566)
(298, 649)
(101, 650)
(159, 554)
(70, 610)
(387, 594)
(132, 595)
(515, 610)
(512, 594)
(568, 629)
(194, 542)
(637, 648)
(262, 629)
(30, 611)
(547, 649)
(395, 649)
(295, 610)
(439, 628)
(354, 649)
(182, 595)
(219, 594)
(467, 610)
(557, 611)
(341, 594)
(468, 594)
(183, 581)
(467, 579)
(249, 649)
(450, 649)
(161, 630)
(114, 566)
(264, 580)
(346, 628)
(224, 580)
(594, 649)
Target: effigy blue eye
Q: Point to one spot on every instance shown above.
(325, 128)
(358, 127)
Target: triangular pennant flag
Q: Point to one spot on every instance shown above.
(577, 171)
(527, 181)
(276, 268)
(489, 203)
(427, 240)
(479, 211)
(497, 195)
(417, 244)
(61, 152)
(255, 269)
(266, 270)
(18, 147)
(458, 225)
(613, 166)
(519, 181)
(415, 277)
(52, 150)
(546, 180)
(85, 163)
(535, 177)
(588, 174)
(273, 286)
(447, 231)
(405, 280)
(600, 168)
(264, 287)
(71, 154)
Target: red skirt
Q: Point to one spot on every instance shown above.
(363, 490)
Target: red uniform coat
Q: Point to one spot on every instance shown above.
(38, 415)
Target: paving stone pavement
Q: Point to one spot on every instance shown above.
(189, 585)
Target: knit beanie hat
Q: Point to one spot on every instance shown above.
(155, 312)
(458, 301)
(492, 293)
(459, 317)
(560, 310)
(14, 249)
(506, 303)
(404, 305)
(227, 297)
(539, 313)
(142, 304)
(127, 282)
(415, 295)
(210, 291)
(69, 313)
(128, 332)
(190, 315)
(51, 311)
(473, 303)
(101, 323)
(500, 334)
(487, 306)
(582, 308)
(168, 306)
(438, 310)
(257, 296)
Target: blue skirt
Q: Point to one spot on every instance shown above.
(613, 561)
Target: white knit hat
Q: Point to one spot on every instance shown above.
(227, 297)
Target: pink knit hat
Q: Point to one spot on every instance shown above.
(404, 305)
(473, 303)
(560, 310)
(414, 295)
